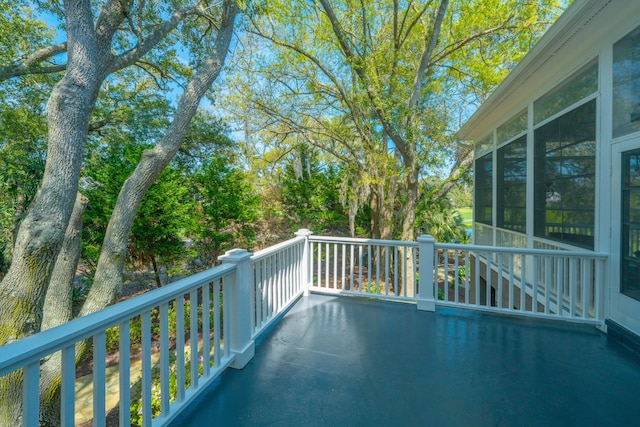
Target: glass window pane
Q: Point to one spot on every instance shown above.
(626, 84)
(564, 177)
(632, 170)
(632, 248)
(579, 86)
(483, 185)
(513, 127)
(484, 146)
(578, 193)
(630, 251)
(632, 208)
(482, 235)
(512, 185)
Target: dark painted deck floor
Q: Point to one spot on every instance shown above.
(354, 362)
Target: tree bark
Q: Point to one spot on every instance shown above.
(90, 59)
(408, 213)
(374, 208)
(59, 297)
(41, 233)
(156, 272)
(58, 310)
(17, 215)
(107, 284)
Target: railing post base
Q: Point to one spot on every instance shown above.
(426, 283)
(243, 356)
(239, 293)
(304, 271)
(426, 305)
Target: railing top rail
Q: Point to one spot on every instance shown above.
(467, 247)
(275, 248)
(523, 251)
(20, 353)
(360, 241)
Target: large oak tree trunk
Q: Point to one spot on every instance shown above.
(41, 233)
(90, 60)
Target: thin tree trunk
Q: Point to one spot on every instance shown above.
(59, 298)
(156, 273)
(17, 216)
(387, 209)
(107, 284)
(408, 230)
(376, 214)
(58, 310)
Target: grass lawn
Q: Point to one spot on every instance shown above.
(467, 216)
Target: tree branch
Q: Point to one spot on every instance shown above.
(134, 54)
(448, 50)
(457, 172)
(358, 67)
(343, 94)
(31, 64)
(304, 131)
(415, 20)
(426, 55)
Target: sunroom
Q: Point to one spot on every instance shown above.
(557, 152)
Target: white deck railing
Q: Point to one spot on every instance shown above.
(206, 357)
(563, 284)
(187, 334)
(191, 330)
(277, 281)
(375, 268)
(533, 282)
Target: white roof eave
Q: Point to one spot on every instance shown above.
(512, 94)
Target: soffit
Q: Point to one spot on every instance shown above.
(573, 40)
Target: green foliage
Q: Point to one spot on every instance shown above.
(310, 193)
(352, 89)
(21, 33)
(162, 219)
(462, 194)
(440, 219)
(228, 209)
(467, 216)
(442, 222)
(462, 275)
(375, 288)
(22, 156)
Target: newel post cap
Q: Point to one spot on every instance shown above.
(235, 255)
(426, 238)
(305, 232)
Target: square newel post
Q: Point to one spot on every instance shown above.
(304, 270)
(239, 294)
(426, 292)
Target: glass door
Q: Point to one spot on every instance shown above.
(625, 235)
(630, 225)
